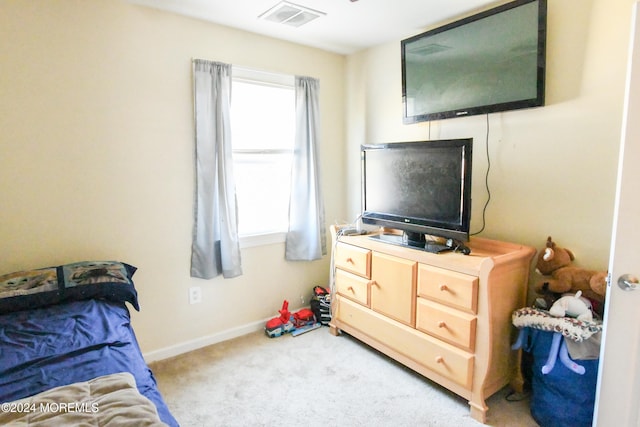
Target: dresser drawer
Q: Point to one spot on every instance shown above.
(352, 286)
(448, 287)
(353, 259)
(446, 323)
(446, 360)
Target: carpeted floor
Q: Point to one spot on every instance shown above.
(314, 379)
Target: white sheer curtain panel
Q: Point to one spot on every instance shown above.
(215, 247)
(306, 239)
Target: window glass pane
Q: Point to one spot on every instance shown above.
(262, 116)
(262, 184)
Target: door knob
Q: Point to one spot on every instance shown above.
(627, 282)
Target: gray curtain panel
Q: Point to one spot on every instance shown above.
(306, 239)
(215, 247)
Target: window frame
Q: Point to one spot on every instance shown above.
(277, 80)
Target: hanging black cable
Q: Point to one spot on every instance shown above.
(486, 182)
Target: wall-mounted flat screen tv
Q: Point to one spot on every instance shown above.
(489, 62)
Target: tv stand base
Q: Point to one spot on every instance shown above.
(428, 245)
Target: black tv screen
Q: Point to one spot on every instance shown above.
(489, 62)
(419, 187)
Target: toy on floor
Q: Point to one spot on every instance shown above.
(304, 320)
(307, 328)
(297, 323)
(321, 304)
(303, 317)
(280, 325)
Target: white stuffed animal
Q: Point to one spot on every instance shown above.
(572, 305)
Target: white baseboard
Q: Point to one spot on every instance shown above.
(187, 346)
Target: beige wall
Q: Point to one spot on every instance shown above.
(97, 155)
(97, 148)
(553, 169)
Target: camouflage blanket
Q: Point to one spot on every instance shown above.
(569, 327)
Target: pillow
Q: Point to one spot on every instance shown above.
(110, 280)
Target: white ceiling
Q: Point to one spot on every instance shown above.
(347, 27)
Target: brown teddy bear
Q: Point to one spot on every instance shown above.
(555, 261)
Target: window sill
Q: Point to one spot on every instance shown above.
(252, 240)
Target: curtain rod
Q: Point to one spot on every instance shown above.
(255, 70)
(249, 69)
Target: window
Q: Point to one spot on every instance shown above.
(263, 132)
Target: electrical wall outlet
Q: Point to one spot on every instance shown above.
(195, 295)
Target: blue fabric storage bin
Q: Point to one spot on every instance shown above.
(560, 398)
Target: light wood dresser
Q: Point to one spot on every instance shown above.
(447, 316)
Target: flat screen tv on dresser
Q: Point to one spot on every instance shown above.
(419, 187)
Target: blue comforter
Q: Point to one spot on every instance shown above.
(68, 343)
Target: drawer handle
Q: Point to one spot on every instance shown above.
(442, 324)
(440, 359)
(444, 288)
(350, 288)
(350, 260)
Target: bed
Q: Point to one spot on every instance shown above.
(65, 331)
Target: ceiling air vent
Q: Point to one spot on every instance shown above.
(291, 14)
